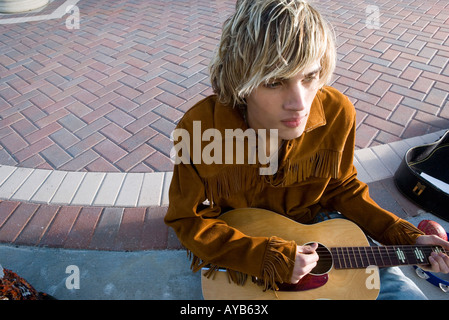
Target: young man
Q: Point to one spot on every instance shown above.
(270, 73)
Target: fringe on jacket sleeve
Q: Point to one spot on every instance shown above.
(277, 266)
(401, 231)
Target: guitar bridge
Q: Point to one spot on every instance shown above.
(307, 282)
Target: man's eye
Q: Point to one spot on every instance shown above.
(273, 84)
(311, 78)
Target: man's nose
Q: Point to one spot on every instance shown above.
(295, 98)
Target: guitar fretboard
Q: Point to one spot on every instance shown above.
(381, 256)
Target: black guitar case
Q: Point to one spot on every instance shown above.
(432, 160)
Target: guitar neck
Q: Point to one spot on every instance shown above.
(381, 256)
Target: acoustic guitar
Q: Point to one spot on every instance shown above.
(347, 267)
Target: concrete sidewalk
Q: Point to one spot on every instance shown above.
(105, 275)
(139, 275)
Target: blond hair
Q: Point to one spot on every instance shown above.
(269, 39)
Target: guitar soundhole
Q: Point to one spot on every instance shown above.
(324, 264)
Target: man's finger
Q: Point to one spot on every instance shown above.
(310, 248)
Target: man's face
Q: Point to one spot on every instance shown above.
(284, 104)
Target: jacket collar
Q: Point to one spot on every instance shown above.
(316, 116)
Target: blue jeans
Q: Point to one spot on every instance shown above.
(394, 285)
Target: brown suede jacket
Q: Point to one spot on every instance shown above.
(315, 174)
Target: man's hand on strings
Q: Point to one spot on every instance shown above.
(439, 262)
(305, 260)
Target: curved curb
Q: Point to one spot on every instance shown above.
(151, 189)
(84, 188)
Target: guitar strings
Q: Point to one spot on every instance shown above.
(383, 253)
(354, 251)
(391, 249)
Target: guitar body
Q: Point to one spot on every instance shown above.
(341, 284)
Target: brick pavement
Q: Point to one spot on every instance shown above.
(77, 227)
(105, 97)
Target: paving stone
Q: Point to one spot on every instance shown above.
(56, 156)
(37, 226)
(115, 133)
(151, 193)
(388, 157)
(61, 225)
(137, 139)
(362, 174)
(5, 158)
(82, 230)
(166, 186)
(372, 164)
(130, 191)
(402, 115)
(33, 150)
(130, 233)
(14, 143)
(100, 164)
(135, 157)
(72, 123)
(106, 230)
(48, 188)
(31, 185)
(109, 189)
(159, 162)
(14, 181)
(64, 138)
(81, 162)
(68, 188)
(110, 151)
(5, 172)
(11, 229)
(155, 232)
(88, 188)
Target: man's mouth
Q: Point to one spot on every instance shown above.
(293, 122)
